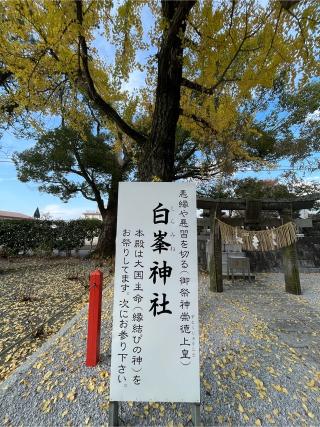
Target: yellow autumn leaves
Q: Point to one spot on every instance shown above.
(72, 394)
(99, 388)
(90, 384)
(280, 388)
(47, 404)
(50, 290)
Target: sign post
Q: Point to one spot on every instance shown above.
(94, 318)
(155, 337)
(113, 414)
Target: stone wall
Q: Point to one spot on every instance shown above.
(308, 249)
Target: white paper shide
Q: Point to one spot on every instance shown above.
(155, 337)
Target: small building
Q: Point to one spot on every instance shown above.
(14, 215)
(92, 215)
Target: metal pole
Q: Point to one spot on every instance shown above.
(195, 411)
(113, 414)
(94, 318)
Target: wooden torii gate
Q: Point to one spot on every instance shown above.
(252, 218)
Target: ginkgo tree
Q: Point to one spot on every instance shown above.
(210, 55)
(205, 60)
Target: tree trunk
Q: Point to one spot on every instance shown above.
(159, 153)
(106, 242)
(107, 239)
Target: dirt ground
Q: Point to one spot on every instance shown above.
(34, 291)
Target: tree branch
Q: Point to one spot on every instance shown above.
(96, 119)
(231, 17)
(196, 86)
(274, 33)
(91, 91)
(209, 91)
(184, 159)
(91, 183)
(199, 120)
(76, 172)
(4, 76)
(197, 173)
(92, 199)
(301, 29)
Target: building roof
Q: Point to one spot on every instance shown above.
(92, 214)
(13, 215)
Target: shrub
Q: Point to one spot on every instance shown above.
(43, 236)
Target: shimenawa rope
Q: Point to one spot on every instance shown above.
(262, 240)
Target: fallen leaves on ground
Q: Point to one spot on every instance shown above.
(32, 290)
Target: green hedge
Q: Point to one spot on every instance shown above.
(43, 236)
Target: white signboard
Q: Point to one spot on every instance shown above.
(155, 337)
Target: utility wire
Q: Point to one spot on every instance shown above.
(238, 170)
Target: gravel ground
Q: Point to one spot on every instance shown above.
(260, 365)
